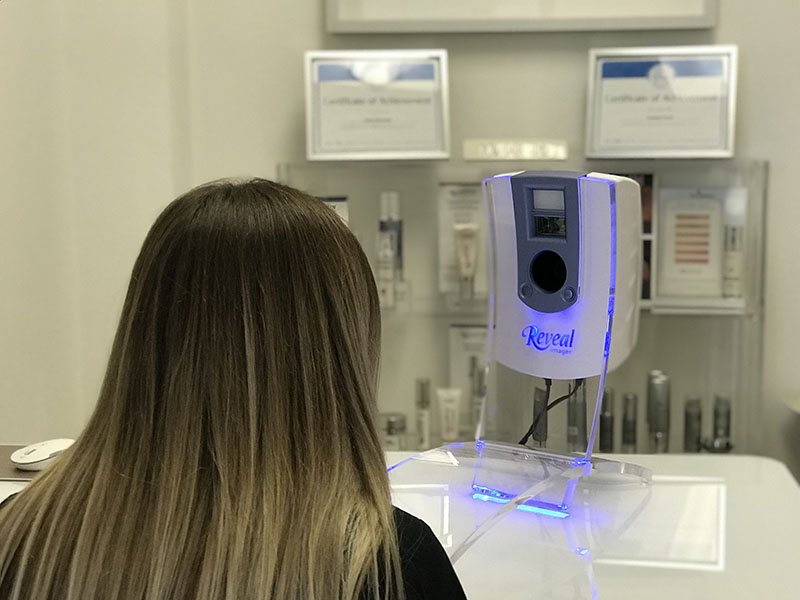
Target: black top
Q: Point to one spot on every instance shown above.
(427, 571)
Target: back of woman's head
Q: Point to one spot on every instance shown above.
(233, 451)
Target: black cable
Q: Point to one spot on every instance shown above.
(553, 404)
(548, 383)
(557, 401)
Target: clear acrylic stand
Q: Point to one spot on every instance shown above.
(531, 519)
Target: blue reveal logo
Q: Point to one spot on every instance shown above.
(560, 343)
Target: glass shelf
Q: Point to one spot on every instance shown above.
(708, 345)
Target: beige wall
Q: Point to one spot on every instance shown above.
(119, 134)
(38, 366)
(126, 106)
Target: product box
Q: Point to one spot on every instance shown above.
(460, 204)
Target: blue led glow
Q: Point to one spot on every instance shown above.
(548, 512)
(482, 489)
(578, 461)
(488, 494)
(612, 286)
(486, 498)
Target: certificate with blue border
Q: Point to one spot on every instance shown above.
(676, 102)
(367, 105)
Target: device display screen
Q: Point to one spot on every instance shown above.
(551, 226)
(548, 215)
(548, 200)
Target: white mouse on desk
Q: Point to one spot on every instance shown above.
(39, 456)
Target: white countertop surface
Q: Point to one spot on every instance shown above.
(716, 526)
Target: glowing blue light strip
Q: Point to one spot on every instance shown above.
(612, 286)
(548, 512)
(482, 489)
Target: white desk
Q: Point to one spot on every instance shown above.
(11, 479)
(733, 532)
(759, 522)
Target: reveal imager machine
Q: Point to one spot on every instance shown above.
(566, 265)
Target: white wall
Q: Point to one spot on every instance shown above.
(88, 157)
(38, 380)
(133, 104)
(120, 156)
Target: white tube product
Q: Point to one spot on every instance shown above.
(733, 258)
(466, 241)
(385, 272)
(449, 409)
(390, 221)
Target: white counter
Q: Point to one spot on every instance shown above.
(716, 526)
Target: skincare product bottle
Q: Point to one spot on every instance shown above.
(652, 374)
(576, 421)
(473, 382)
(477, 377)
(606, 437)
(721, 442)
(629, 422)
(733, 258)
(480, 412)
(540, 408)
(466, 240)
(423, 385)
(692, 425)
(393, 431)
(390, 221)
(658, 410)
(385, 272)
(449, 400)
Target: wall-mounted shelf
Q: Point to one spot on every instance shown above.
(708, 345)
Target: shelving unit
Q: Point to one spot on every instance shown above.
(707, 345)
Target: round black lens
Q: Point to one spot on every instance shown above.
(548, 271)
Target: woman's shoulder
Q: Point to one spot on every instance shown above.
(427, 571)
(407, 524)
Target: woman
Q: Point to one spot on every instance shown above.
(233, 451)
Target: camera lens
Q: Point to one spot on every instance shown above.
(548, 271)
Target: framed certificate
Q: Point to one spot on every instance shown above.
(691, 242)
(377, 104)
(670, 102)
(415, 16)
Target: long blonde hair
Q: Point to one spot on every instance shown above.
(233, 451)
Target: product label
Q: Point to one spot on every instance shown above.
(732, 279)
(560, 343)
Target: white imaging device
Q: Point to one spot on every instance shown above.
(564, 279)
(566, 270)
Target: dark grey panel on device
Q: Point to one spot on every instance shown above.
(546, 215)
